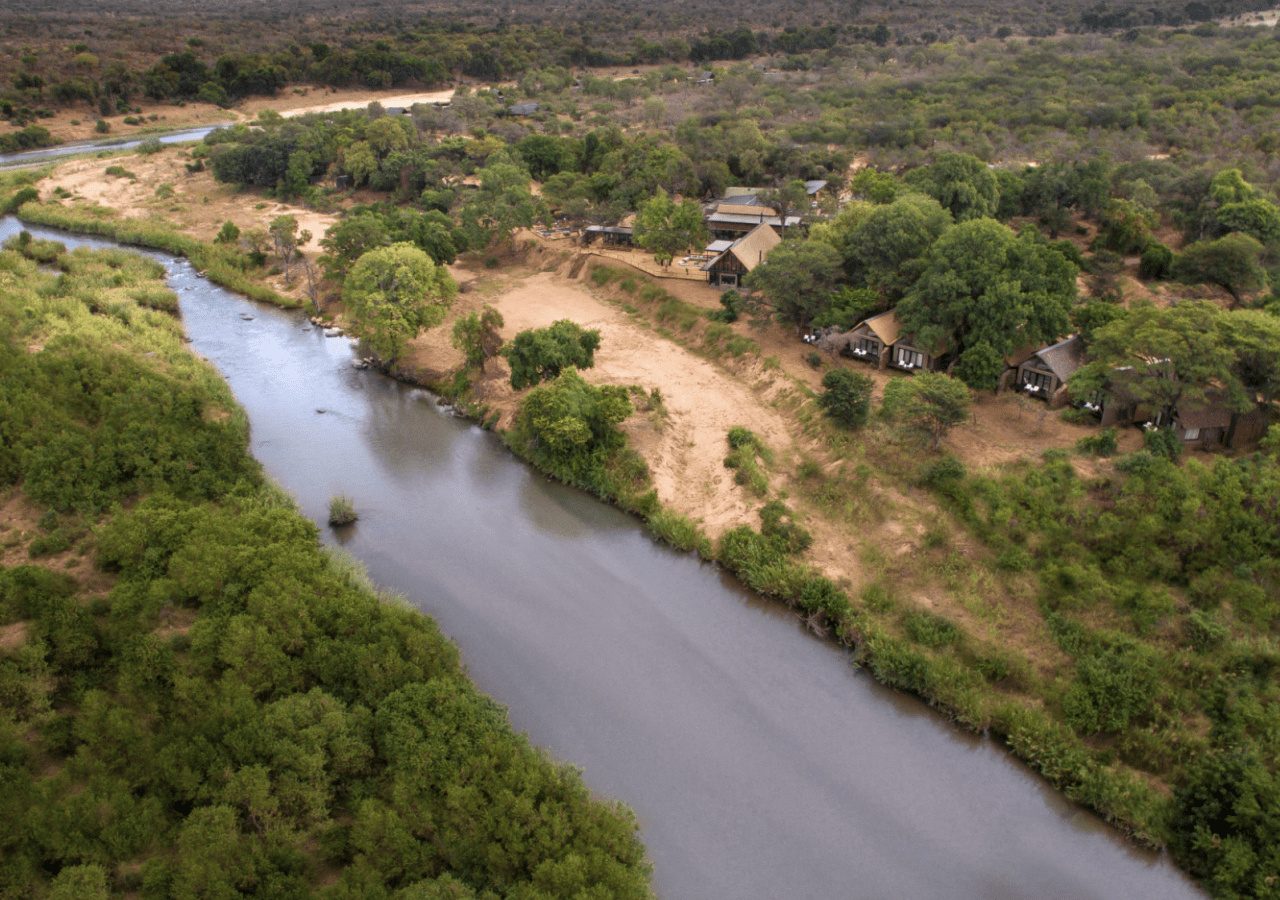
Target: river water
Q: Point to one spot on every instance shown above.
(46, 154)
(760, 762)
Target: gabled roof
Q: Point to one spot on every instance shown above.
(1209, 415)
(752, 249)
(884, 326)
(744, 209)
(1063, 358)
(755, 218)
(718, 246)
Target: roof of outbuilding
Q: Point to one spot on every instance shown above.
(1064, 357)
(884, 326)
(752, 249)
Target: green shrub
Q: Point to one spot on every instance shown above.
(930, 629)
(229, 233)
(1157, 262)
(746, 452)
(1101, 444)
(1115, 687)
(846, 397)
(342, 511)
(150, 146)
(540, 354)
(778, 523)
(679, 531)
(1162, 442)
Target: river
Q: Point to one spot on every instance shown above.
(47, 154)
(760, 762)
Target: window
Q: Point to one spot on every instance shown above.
(1036, 383)
(867, 348)
(728, 279)
(1191, 434)
(909, 359)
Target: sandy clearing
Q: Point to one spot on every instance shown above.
(686, 452)
(19, 525)
(364, 99)
(199, 205)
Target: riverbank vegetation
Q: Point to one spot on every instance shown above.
(218, 705)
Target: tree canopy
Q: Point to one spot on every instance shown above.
(984, 285)
(961, 183)
(797, 279)
(392, 293)
(539, 354)
(664, 227)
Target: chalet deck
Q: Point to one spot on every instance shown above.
(873, 339)
(1043, 373)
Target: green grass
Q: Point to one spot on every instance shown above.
(222, 264)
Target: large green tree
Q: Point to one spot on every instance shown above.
(539, 354)
(886, 248)
(478, 336)
(926, 405)
(502, 204)
(962, 183)
(984, 286)
(570, 427)
(797, 279)
(1232, 262)
(392, 293)
(1162, 356)
(665, 228)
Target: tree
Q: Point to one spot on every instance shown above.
(961, 183)
(797, 279)
(349, 239)
(1126, 226)
(539, 354)
(1161, 357)
(1233, 262)
(502, 204)
(789, 200)
(286, 239)
(1254, 339)
(478, 336)
(391, 293)
(571, 427)
(359, 161)
(982, 284)
(875, 186)
(846, 397)
(664, 227)
(887, 247)
(1258, 218)
(928, 404)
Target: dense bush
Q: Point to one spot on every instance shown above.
(540, 354)
(846, 397)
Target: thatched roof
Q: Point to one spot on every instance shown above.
(752, 249)
(884, 326)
